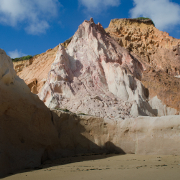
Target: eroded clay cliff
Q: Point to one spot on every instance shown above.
(95, 75)
(160, 54)
(30, 133)
(35, 73)
(157, 52)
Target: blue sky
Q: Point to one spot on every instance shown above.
(30, 27)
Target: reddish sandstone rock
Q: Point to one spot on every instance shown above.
(96, 76)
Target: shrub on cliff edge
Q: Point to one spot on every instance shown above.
(144, 18)
(22, 58)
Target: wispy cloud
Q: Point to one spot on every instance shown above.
(164, 13)
(16, 54)
(97, 6)
(34, 14)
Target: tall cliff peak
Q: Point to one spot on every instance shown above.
(96, 76)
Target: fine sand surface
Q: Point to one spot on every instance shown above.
(106, 167)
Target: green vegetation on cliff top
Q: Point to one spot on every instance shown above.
(22, 58)
(144, 18)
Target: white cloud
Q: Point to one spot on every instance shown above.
(35, 14)
(37, 28)
(164, 13)
(16, 54)
(98, 5)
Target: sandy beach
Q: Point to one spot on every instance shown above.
(106, 167)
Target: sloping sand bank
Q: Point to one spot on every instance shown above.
(106, 167)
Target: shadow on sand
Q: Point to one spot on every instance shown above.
(76, 141)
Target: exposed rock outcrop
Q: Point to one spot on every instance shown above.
(160, 54)
(96, 76)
